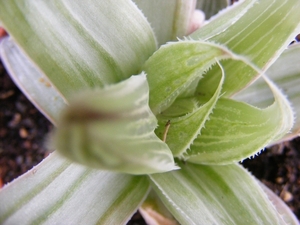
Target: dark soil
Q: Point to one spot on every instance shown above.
(23, 129)
(279, 168)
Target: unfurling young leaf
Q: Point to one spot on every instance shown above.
(113, 129)
(237, 130)
(187, 125)
(176, 67)
(285, 72)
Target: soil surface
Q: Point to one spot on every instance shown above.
(23, 129)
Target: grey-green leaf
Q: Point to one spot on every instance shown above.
(31, 81)
(223, 20)
(80, 44)
(57, 191)
(185, 128)
(199, 194)
(261, 34)
(285, 72)
(113, 129)
(237, 130)
(169, 19)
(175, 68)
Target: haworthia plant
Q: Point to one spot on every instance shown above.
(140, 104)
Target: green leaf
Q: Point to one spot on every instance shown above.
(214, 195)
(169, 19)
(184, 129)
(223, 20)
(113, 129)
(60, 37)
(176, 67)
(31, 81)
(211, 7)
(261, 34)
(285, 72)
(237, 130)
(57, 190)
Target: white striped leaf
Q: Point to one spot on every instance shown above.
(254, 35)
(113, 129)
(60, 192)
(223, 20)
(199, 194)
(185, 128)
(175, 69)
(285, 72)
(237, 130)
(31, 81)
(169, 19)
(111, 124)
(80, 44)
(172, 72)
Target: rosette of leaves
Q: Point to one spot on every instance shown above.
(149, 116)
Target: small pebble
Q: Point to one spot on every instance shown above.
(23, 133)
(287, 196)
(7, 94)
(15, 121)
(279, 180)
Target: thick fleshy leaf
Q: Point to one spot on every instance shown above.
(80, 44)
(237, 130)
(31, 81)
(223, 20)
(285, 72)
(214, 195)
(183, 129)
(261, 34)
(169, 19)
(113, 129)
(57, 191)
(211, 7)
(175, 69)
